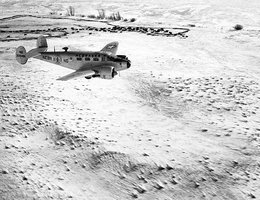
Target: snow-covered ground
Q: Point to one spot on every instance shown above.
(204, 12)
(181, 123)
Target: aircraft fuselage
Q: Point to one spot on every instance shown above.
(84, 60)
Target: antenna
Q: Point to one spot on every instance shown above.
(65, 49)
(54, 48)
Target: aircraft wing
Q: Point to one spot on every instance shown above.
(110, 48)
(77, 74)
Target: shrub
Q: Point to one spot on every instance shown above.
(55, 133)
(111, 17)
(53, 13)
(132, 20)
(118, 16)
(92, 16)
(115, 16)
(81, 15)
(101, 14)
(71, 11)
(238, 27)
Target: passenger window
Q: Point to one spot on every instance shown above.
(87, 59)
(79, 59)
(95, 59)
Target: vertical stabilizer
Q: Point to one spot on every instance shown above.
(41, 42)
(20, 55)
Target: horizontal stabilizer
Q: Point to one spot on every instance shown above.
(35, 52)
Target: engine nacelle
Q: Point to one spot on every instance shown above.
(107, 72)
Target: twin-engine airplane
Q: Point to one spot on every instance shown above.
(104, 64)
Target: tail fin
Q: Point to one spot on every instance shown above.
(110, 48)
(41, 42)
(22, 56)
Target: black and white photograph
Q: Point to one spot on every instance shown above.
(124, 100)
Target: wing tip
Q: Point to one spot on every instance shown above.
(61, 79)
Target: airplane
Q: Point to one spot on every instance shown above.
(104, 64)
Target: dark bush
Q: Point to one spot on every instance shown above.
(238, 27)
(92, 16)
(132, 20)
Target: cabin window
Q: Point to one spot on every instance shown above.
(79, 59)
(87, 59)
(95, 59)
(71, 58)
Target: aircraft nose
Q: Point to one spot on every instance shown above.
(128, 63)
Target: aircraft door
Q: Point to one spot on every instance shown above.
(58, 59)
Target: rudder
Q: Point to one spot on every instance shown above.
(21, 55)
(41, 42)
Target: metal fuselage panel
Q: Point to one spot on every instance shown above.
(83, 60)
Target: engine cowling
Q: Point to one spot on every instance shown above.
(107, 72)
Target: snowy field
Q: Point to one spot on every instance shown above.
(182, 123)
